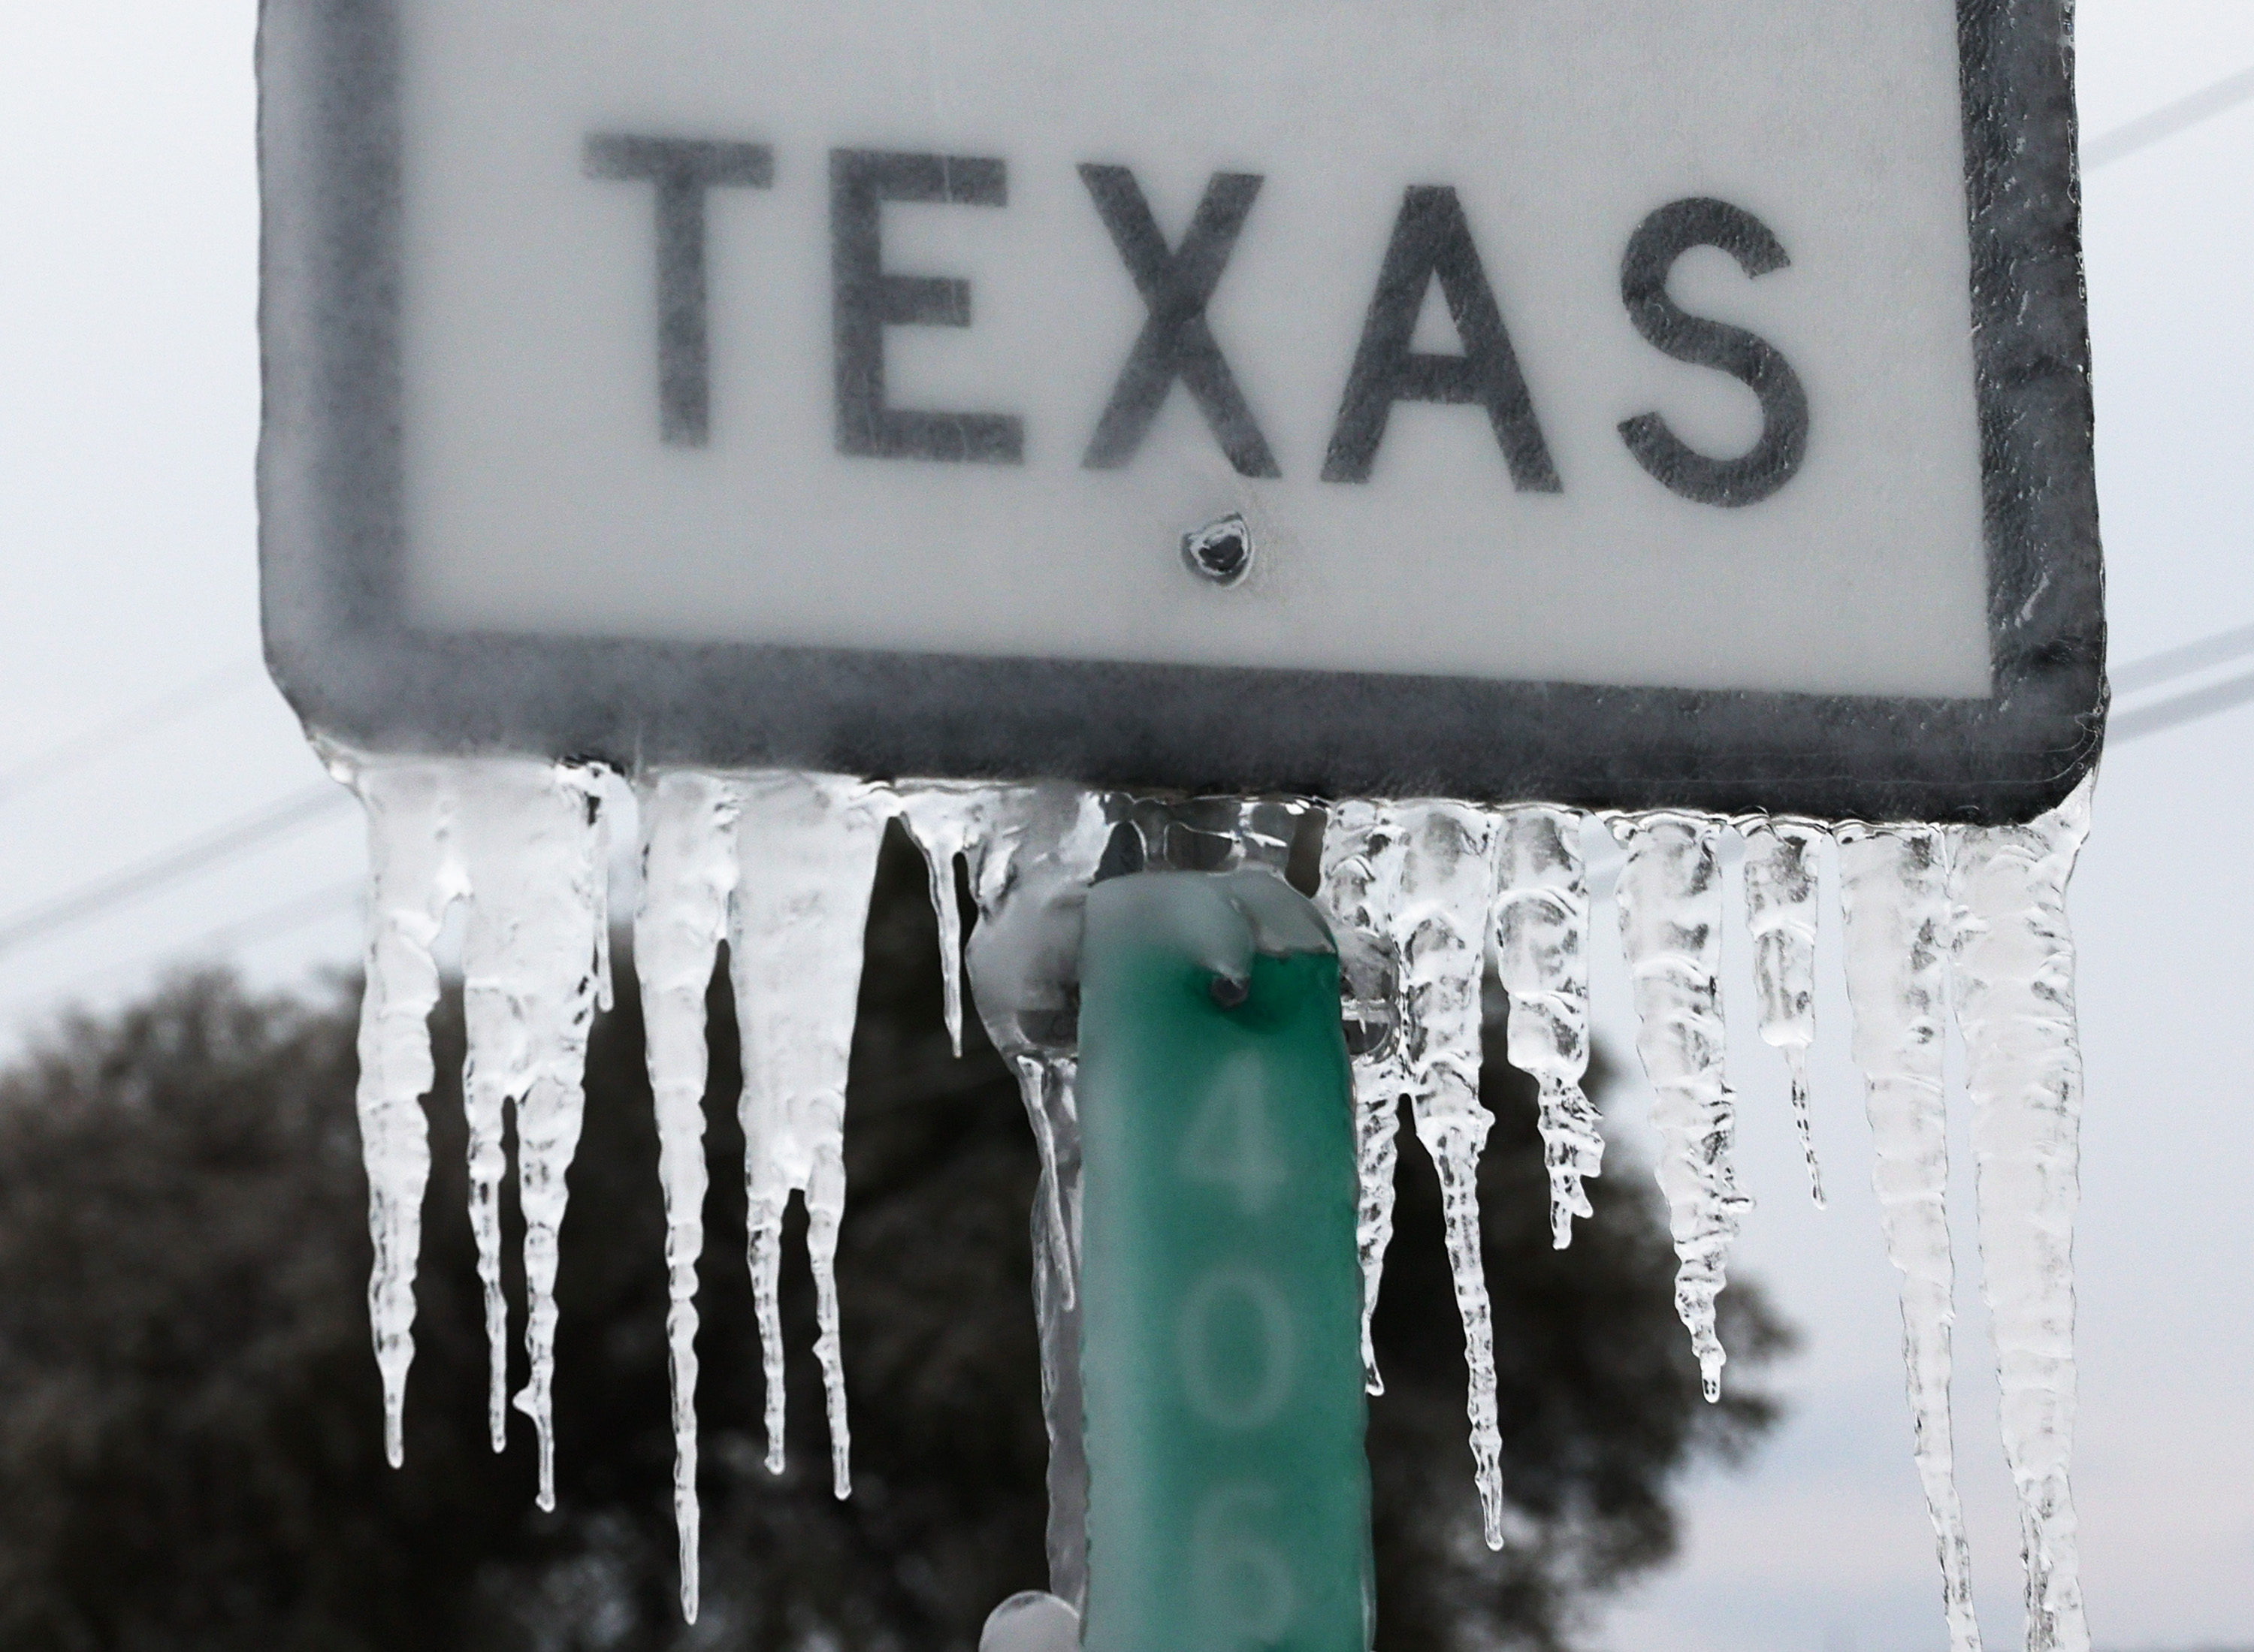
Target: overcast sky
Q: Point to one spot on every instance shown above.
(134, 722)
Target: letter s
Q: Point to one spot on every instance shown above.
(1776, 458)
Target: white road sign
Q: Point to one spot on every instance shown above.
(1620, 403)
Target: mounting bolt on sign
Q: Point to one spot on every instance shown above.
(1228, 1496)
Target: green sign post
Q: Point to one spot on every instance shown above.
(1228, 1505)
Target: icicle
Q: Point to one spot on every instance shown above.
(1894, 898)
(947, 821)
(1780, 913)
(807, 850)
(2014, 998)
(1541, 945)
(532, 840)
(414, 876)
(1670, 899)
(689, 871)
(1427, 895)
(1380, 1077)
(1047, 1085)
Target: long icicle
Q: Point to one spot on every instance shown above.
(1541, 948)
(2015, 1001)
(414, 875)
(1894, 898)
(688, 876)
(807, 847)
(1431, 890)
(1381, 1077)
(1670, 907)
(1780, 913)
(534, 844)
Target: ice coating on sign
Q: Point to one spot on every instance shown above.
(414, 875)
(2014, 982)
(1426, 895)
(806, 848)
(1893, 899)
(1670, 918)
(782, 864)
(1541, 949)
(1780, 877)
(688, 876)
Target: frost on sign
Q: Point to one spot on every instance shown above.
(1624, 404)
(1496, 432)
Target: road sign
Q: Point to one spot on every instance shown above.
(1221, 1299)
(1618, 404)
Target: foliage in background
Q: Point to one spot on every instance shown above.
(189, 1439)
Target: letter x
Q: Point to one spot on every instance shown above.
(1175, 343)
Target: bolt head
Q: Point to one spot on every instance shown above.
(1221, 552)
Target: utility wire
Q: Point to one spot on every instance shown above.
(2169, 664)
(2181, 709)
(105, 894)
(2166, 666)
(2163, 124)
(59, 759)
(260, 926)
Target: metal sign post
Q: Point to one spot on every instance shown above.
(1221, 1297)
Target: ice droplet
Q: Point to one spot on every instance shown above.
(806, 848)
(1426, 896)
(1893, 900)
(1671, 917)
(1541, 946)
(688, 875)
(1780, 912)
(2013, 982)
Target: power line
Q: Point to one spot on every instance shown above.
(2163, 124)
(2156, 669)
(260, 926)
(2180, 709)
(120, 888)
(151, 715)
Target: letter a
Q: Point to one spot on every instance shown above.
(1432, 239)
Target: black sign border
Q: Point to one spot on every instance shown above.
(330, 487)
